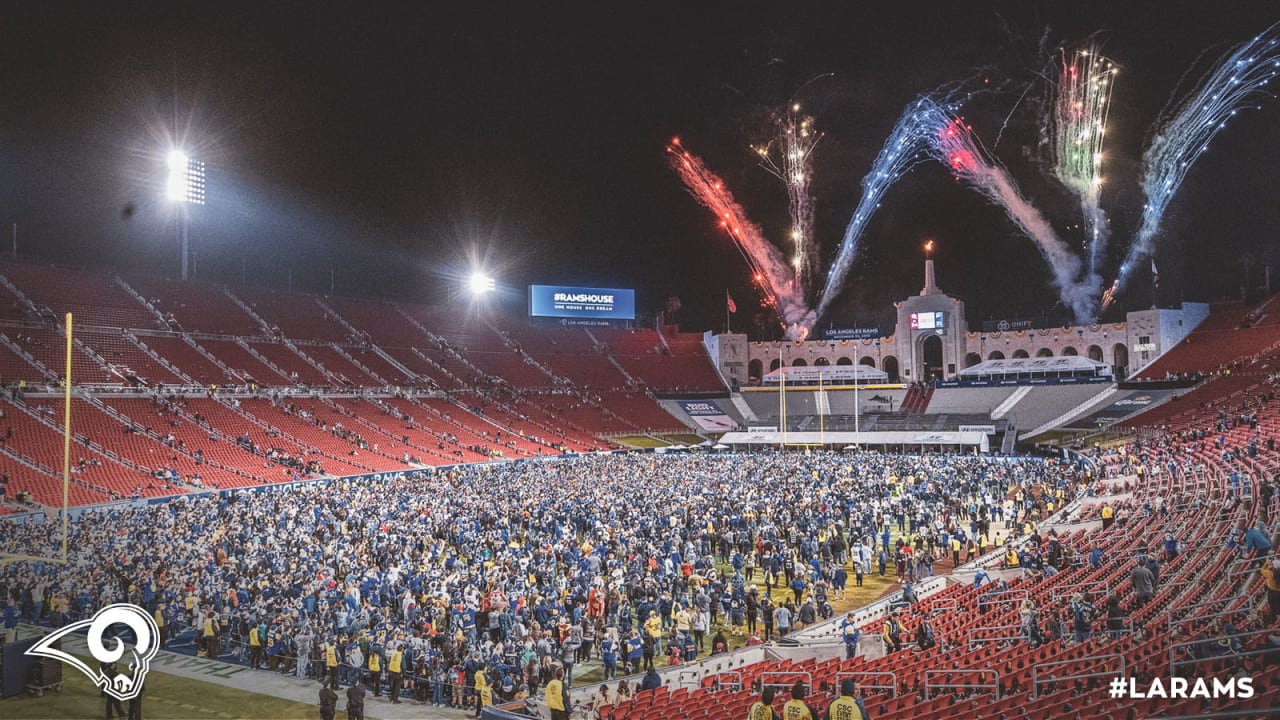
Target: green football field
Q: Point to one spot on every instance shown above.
(168, 697)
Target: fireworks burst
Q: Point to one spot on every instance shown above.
(903, 150)
(1078, 122)
(1184, 135)
(787, 157)
(953, 144)
(765, 260)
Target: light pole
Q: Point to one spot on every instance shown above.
(185, 187)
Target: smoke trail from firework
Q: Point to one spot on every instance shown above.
(1185, 134)
(903, 150)
(1078, 122)
(765, 260)
(953, 144)
(787, 157)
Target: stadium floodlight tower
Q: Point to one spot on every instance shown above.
(186, 188)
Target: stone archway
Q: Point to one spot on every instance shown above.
(890, 367)
(931, 365)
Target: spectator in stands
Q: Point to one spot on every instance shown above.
(892, 632)
(1082, 614)
(1115, 616)
(925, 638)
(1143, 582)
(651, 680)
(851, 634)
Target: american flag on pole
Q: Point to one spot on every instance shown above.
(729, 303)
(1155, 274)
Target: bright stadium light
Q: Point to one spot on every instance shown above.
(186, 179)
(480, 283)
(185, 187)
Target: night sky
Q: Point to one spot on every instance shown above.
(391, 144)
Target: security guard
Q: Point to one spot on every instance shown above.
(848, 706)
(556, 697)
(331, 662)
(763, 709)
(393, 671)
(255, 647)
(328, 702)
(796, 708)
(375, 671)
(211, 630)
(484, 692)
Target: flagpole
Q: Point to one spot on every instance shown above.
(726, 311)
(782, 396)
(822, 415)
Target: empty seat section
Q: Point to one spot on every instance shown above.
(342, 370)
(127, 359)
(380, 319)
(381, 367)
(92, 298)
(671, 372)
(297, 316)
(197, 307)
(420, 367)
(242, 363)
(512, 367)
(187, 359)
(49, 347)
(297, 369)
(15, 367)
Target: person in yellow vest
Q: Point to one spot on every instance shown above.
(160, 625)
(375, 671)
(1108, 515)
(210, 635)
(848, 706)
(331, 662)
(556, 697)
(484, 693)
(796, 708)
(1270, 572)
(763, 708)
(1011, 557)
(255, 647)
(393, 673)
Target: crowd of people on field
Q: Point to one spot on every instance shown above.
(489, 581)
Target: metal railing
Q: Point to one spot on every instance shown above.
(931, 685)
(1038, 668)
(892, 685)
(785, 679)
(1018, 633)
(1188, 660)
(726, 682)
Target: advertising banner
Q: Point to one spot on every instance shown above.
(555, 301)
(708, 415)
